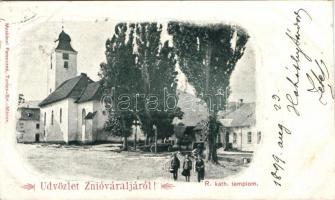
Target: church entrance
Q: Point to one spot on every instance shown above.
(37, 137)
(83, 125)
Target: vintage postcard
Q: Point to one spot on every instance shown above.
(167, 100)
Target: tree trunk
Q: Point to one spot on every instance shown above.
(212, 125)
(211, 143)
(125, 143)
(125, 138)
(135, 138)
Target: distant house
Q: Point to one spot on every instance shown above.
(239, 130)
(194, 112)
(28, 127)
(183, 136)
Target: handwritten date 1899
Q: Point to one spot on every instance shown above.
(278, 165)
(279, 162)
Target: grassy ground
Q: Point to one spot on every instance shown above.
(100, 162)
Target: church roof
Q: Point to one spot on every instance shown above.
(93, 91)
(64, 42)
(71, 88)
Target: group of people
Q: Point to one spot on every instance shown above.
(187, 167)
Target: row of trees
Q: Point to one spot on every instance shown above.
(138, 62)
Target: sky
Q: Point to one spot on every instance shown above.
(88, 38)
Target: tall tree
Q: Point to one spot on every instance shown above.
(120, 79)
(207, 56)
(157, 63)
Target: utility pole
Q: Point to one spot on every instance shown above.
(136, 123)
(155, 129)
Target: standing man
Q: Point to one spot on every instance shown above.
(200, 168)
(175, 164)
(187, 167)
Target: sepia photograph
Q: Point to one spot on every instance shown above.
(174, 99)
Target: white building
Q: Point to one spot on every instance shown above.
(71, 112)
(28, 127)
(239, 129)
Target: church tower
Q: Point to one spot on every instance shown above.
(63, 65)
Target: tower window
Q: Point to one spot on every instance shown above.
(66, 64)
(37, 126)
(65, 56)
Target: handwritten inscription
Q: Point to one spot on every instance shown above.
(296, 59)
(282, 131)
(319, 81)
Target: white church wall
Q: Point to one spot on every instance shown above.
(56, 131)
(72, 120)
(98, 125)
(100, 117)
(86, 126)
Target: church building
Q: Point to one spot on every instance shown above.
(71, 112)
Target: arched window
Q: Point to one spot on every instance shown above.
(259, 136)
(60, 115)
(234, 137)
(83, 115)
(52, 117)
(45, 118)
(249, 137)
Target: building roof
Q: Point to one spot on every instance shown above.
(90, 115)
(198, 127)
(71, 88)
(29, 104)
(93, 91)
(30, 114)
(64, 42)
(242, 116)
(194, 110)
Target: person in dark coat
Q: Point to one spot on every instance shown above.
(200, 168)
(187, 167)
(175, 164)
